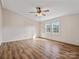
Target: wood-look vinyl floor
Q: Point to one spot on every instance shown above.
(38, 49)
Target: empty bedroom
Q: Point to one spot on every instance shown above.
(39, 29)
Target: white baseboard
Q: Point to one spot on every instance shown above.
(17, 39)
(61, 41)
(0, 43)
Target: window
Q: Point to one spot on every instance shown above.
(47, 27)
(53, 27)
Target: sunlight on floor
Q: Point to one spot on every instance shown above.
(34, 37)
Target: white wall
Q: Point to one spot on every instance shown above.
(0, 23)
(69, 30)
(18, 27)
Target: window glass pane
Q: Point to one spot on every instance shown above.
(47, 27)
(55, 26)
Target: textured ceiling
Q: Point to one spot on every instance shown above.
(57, 7)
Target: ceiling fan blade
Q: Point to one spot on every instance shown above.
(32, 12)
(45, 10)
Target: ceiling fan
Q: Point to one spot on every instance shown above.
(40, 12)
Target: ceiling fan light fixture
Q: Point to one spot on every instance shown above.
(39, 14)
